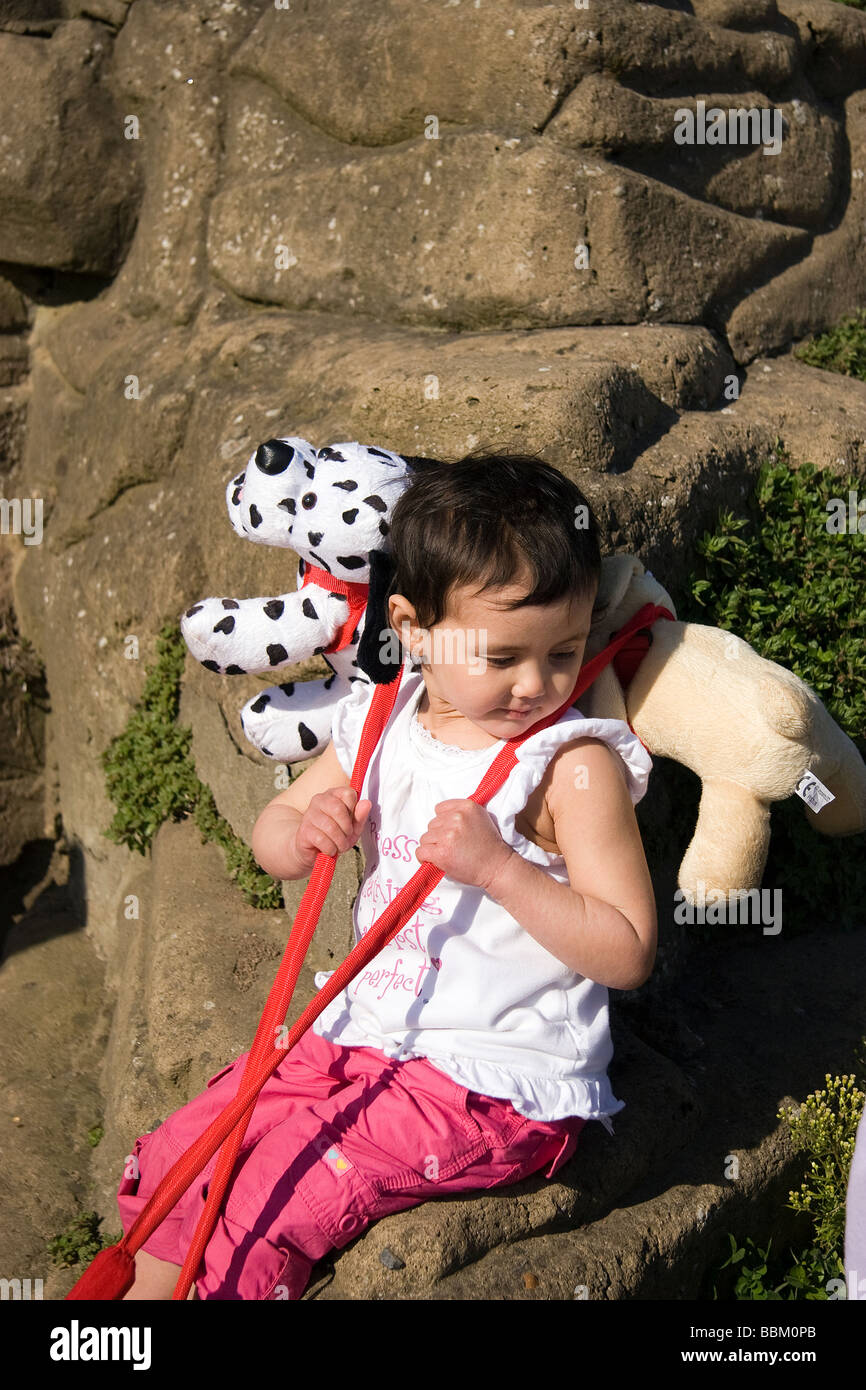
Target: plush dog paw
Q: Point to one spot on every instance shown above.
(233, 636)
(292, 721)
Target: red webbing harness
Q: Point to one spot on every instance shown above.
(357, 594)
(112, 1272)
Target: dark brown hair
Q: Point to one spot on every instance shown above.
(482, 522)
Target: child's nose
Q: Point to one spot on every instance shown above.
(529, 684)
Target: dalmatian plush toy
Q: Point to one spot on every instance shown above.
(332, 507)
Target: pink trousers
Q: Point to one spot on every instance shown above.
(339, 1137)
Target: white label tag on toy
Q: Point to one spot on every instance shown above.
(813, 791)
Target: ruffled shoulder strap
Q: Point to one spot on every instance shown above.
(614, 732)
(533, 758)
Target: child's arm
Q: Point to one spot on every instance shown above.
(317, 812)
(604, 926)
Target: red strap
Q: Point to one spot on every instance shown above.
(629, 657)
(357, 594)
(108, 1276)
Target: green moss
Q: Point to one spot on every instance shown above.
(81, 1242)
(94, 1135)
(258, 888)
(150, 776)
(843, 348)
(796, 593)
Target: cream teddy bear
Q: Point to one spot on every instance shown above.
(750, 729)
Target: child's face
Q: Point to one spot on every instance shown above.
(484, 663)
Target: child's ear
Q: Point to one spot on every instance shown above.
(378, 659)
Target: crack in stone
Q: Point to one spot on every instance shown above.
(122, 487)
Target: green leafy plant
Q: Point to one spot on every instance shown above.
(150, 776)
(750, 1283)
(806, 1278)
(81, 1241)
(825, 1129)
(843, 348)
(94, 1135)
(789, 587)
(793, 590)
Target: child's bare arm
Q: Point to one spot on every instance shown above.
(604, 925)
(317, 812)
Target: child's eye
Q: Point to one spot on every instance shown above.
(506, 660)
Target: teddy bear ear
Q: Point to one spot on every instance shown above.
(378, 659)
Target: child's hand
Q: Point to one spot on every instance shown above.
(464, 843)
(331, 823)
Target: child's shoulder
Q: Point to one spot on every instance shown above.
(581, 742)
(585, 761)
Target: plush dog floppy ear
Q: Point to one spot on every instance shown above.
(378, 658)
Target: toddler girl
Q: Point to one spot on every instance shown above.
(473, 1048)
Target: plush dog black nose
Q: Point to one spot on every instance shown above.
(274, 456)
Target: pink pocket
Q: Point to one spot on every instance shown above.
(495, 1119)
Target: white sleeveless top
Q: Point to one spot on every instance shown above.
(462, 983)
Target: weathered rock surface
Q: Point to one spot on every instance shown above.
(60, 127)
(56, 1014)
(821, 288)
